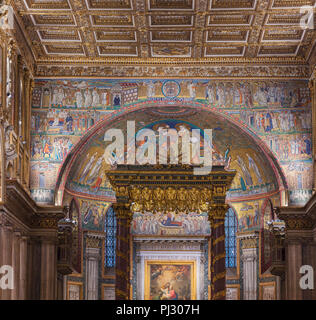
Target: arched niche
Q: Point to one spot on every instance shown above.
(228, 135)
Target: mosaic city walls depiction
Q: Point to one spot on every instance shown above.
(277, 114)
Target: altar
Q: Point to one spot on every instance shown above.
(164, 215)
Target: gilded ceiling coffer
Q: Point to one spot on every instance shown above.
(98, 37)
(170, 188)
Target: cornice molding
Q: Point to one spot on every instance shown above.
(308, 211)
(183, 70)
(19, 203)
(180, 61)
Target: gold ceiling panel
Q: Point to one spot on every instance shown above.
(57, 35)
(171, 51)
(171, 5)
(227, 35)
(112, 20)
(285, 18)
(232, 4)
(175, 36)
(292, 3)
(171, 20)
(230, 19)
(220, 50)
(282, 35)
(109, 4)
(289, 50)
(54, 20)
(118, 50)
(166, 31)
(47, 4)
(61, 49)
(116, 36)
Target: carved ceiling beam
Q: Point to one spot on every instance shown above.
(201, 9)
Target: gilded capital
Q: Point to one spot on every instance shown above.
(92, 242)
(249, 243)
(218, 211)
(123, 210)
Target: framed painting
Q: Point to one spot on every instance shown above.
(170, 280)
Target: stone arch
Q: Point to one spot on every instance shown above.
(116, 116)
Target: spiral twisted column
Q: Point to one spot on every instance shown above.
(122, 266)
(218, 254)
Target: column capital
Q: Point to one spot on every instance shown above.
(247, 234)
(249, 243)
(122, 210)
(93, 240)
(218, 211)
(249, 256)
(249, 239)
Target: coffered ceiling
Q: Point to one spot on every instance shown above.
(183, 30)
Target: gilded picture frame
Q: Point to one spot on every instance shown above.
(170, 280)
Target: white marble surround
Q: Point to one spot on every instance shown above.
(171, 249)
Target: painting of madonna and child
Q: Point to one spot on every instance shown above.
(170, 280)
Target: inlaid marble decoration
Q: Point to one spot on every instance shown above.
(108, 292)
(232, 293)
(74, 291)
